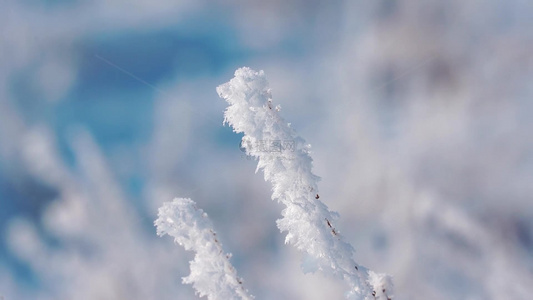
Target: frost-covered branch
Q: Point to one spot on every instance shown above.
(212, 274)
(284, 158)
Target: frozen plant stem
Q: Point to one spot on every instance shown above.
(307, 220)
(212, 274)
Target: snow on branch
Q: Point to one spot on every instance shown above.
(284, 158)
(212, 274)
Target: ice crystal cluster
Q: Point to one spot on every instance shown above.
(212, 274)
(309, 224)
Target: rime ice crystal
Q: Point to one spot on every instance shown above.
(308, 222)
(212, 274)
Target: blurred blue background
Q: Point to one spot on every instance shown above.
(419, 113)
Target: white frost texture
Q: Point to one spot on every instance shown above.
(284, 158)
(212, 274)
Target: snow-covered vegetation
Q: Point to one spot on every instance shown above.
(419, 113)
(212, 274)
(284, 158)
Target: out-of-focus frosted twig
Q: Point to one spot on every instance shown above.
(92, 223)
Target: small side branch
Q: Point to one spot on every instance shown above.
(212, 274)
